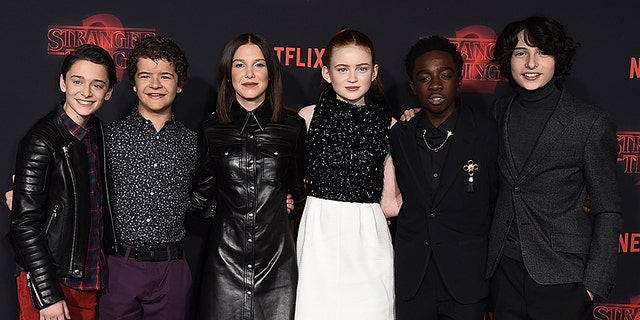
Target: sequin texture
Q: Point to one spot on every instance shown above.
(346, 147)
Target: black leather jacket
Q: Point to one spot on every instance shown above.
(50, 221)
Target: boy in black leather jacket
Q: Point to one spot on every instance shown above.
(60, 221)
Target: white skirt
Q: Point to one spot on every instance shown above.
(345, 262)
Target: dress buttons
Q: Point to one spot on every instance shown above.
(517, 190)
(435, 175)
(432, 215)
(249, 240)
(250, 266)
(251, 187)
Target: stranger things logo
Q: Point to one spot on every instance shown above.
(104, 30)
(476, 44)
(629, 143)
(616, 312)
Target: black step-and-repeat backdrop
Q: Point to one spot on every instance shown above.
(38, 33)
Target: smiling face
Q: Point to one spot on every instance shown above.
(156, 84)
(531, 68)
(435, 82)
(249, 76)
(350, 72)
(86, 87)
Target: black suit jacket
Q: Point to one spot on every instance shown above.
(452, 226)
(574, 155)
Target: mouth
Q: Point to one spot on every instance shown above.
(84, 102)
(352, 88)
(531, 75)
(155, 95)
(436, 100)
(250, 84)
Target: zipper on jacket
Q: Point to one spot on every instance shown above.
(34, 293)
(67, 158)
(54, 215)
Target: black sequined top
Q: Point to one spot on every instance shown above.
(346, 147)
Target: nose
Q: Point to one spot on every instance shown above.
(435, 84)
(155, 83)
(249, 74)
(86, 90)
(352, 77)
(532, 62)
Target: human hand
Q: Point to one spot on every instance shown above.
(408, 114)
(586, 205)
(56, 311)
(591, 295)
(8, 196)
(290, 204)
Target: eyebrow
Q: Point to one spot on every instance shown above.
(357, 65)
(82, 77)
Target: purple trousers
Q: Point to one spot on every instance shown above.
(145, 290)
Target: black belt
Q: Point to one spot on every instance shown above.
(169, 252)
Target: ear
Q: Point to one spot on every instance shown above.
(108, 95)
(412, 87)
(63, 86)
(325, 74)
(374, 74)
(179, 89)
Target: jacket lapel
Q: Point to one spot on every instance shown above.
(561, 117)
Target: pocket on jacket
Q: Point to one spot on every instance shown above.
(275, 162)
(570, 243)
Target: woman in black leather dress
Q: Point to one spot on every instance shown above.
(250, 155)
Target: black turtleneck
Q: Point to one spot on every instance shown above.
(529, 114)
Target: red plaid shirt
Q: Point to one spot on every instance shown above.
(92, 279)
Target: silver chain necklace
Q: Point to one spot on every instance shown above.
(424, 132)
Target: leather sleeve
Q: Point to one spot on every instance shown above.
(29, 219)
(297, 173)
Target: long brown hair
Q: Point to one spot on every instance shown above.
(226, 93)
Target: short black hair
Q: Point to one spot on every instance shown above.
(541, 32)
(91, 53)
(432, 43)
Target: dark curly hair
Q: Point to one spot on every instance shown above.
(432, 43)
(91, 53)
(158, 48)
(541, 32)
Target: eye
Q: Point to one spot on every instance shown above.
(446, 76)
(363, 69)
(543, 53)
(238, 65)
(76, 81)
(342, 69)
(260, 65)
(99, 86)
(519, 53)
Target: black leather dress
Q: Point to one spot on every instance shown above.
(247, 167)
